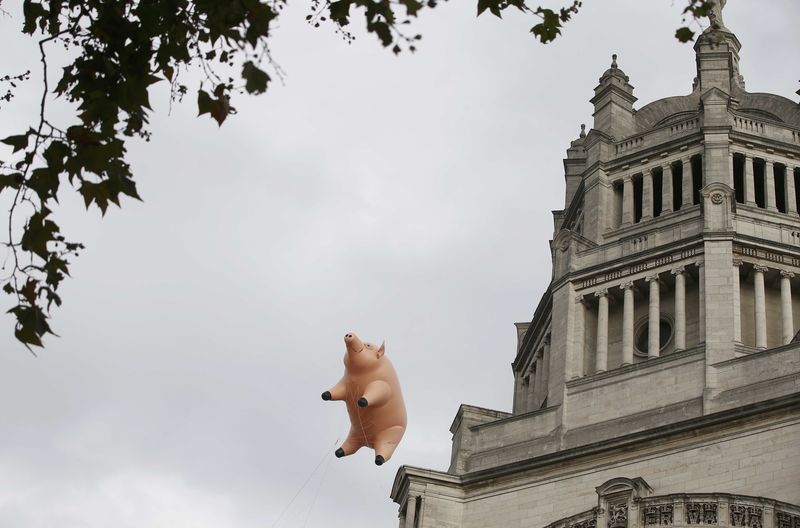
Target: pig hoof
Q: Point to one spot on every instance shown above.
(339, 453)
(379, 460)
(326, 395)
(362, 402)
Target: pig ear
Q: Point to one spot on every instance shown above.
(382, 349)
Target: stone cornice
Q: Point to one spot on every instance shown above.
(637, 369)
(645, 260)
(692, 427)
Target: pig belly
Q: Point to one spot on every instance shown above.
(367, 422)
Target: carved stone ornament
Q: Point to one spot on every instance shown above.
(588, 523)
(717, 198)
(658, 515)
(747, 516)
(618, 515)
(786, 520)
(701, 513)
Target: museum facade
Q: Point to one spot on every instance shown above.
(658, 382)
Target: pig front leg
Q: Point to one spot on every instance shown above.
(337, 393)
(376, 393)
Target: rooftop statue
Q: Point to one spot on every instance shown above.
(715, 16)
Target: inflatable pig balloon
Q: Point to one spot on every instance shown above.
(371, 390)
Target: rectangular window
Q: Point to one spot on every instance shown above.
(738, 177)
(618, 198)
(637, 198)
(677, 185)
(759, 167)
(658, 180)
(796, 185)
(779, 178)
(697, 178)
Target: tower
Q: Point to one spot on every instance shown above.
(658, 382)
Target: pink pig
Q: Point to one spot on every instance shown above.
(371, 390)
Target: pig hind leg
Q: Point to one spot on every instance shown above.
(351, 444)
(386, 442)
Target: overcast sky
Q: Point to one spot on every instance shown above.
(405, 199)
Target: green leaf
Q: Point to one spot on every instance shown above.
(12, 181)
(18, 142)
(38, 232)
(219, 108)
(31, 325)
(32, 12)
(256, 79)
(340, 11)
(684, 34)
(549, 28)
(412, 6)
(382, 30)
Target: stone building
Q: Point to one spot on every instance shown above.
(659, 380)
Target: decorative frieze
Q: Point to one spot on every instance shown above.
(659, 515)
(701, 513)
(786, 520)
(766, 255)
(747, 516)
(587, 523)
(631, 270)
(717, 510)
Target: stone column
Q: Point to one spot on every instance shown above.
(761, 308)
(786, 306)
(730, 168)
(537, 381)
(666, 189)
(411, 511)
(601, 353)
(654, 318)
(647, 195)
(627, 323)
(545, 390)
(402, 518)
(530, 395)
(769, 180)
(737, 302)
(680, 308)
(687, 183)
(627, 200)
(578, 335)
(701, 294)
(791, 197)
(749, 181)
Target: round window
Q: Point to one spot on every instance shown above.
(642, 335)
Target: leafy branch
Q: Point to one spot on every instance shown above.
(121, 49)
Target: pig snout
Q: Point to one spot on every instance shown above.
(353, 343)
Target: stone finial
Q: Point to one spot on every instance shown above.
(583, 129)
(614, 61)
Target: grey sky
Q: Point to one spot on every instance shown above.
(406, 199)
